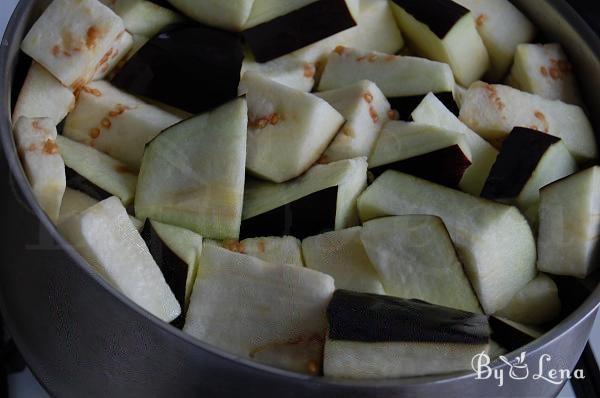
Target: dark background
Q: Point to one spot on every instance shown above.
(589, 10)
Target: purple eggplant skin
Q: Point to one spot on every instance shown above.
(190, 66)
(404, 106)
(80, 183)
(298, 29)
(174, 269)
(439, 15)
(373, 318)
(516, 162)
(445, 166)
(311, 215)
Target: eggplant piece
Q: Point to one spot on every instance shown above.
(104, 172)
(42, 95)
(444, 31)
(427, 152)
(537, 304)
(528, 161)
(373, 336)
(115, 123)
(229, 15)
(298, 29)
(145, 18)
(396, 76)
(35, 140)
(206, 74)
(80, 183)
(192, 174)
(502, 28)
(71, 38)
(274, 250)
(117, 53)
(288, 129)
(432, 112)
(290, 71)
(480, 229)
(569, 225)
(545, 70)
(176, 251)
(341, 254)
(366, 111)
(415, 258)
(272, 314)
(494, 110)
(321, 200)
(405, 106)
(105, 236)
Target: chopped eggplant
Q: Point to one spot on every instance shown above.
(273, 314)
(71, 38)
(141, 17)
(415, 258)
(107, 173)
(395, 75)
(424, 151)
(528, 161)
(321, 200)
(372, 336)
(431, 111)
(569, 225)
(228, 14)
(299, 28)
(366, 111)
(288, 129)
(115, 123)
(80, 183)
(403, 107)
(502, 28)
(494, 241)
(546, 71)
(494, 110)
(444, 31)
(341, 255)
(274, 250)
(206, 74)
(537, 304)
(114, 56)
(105, 236)
(290, 71)
(36, 143)
(192, 174)
(43, 96)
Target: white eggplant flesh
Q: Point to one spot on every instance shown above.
(272, 249)
(229, 15)
(114, 56)
(290, 71)
(142, 17)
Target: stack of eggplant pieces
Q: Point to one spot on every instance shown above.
(323, 186)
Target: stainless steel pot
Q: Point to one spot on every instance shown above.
(81, 337)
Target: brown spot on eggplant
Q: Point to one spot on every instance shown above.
(32, 148)
(94, 91)
(234, 246)
(50, 147)
(368, 97)
(542, 118)
(309, 70)
(95, 133)
(544, 71)
(92, 36)
(481, 19)
(373, 114)
(261, 246)
(56, 50)
(106, 123)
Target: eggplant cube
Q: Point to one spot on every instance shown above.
(288, 130)
(415, 258)
(569, 225)
(105, 236)
(341, 254)
(273, 314)
(502, 28)
(396, 76)
(494, 241)
(272, 249)
(494, 110)
(192, 174)
(528, 161)
(545, 70)
(321, 200)
(43, 96)
(374, 337)
(433, 112)
(444, 31)
(36, 143)
(71, 37)
(366, 110)
(115, 123)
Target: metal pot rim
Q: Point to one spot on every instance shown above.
(20, 181)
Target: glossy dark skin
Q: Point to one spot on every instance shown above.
(189, 66)
(78, 182)
(406, 105)
(445, 166)
(439, 15)
(312, 215)
(298, 29)
(364, 317)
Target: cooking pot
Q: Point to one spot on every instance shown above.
(81, 337)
